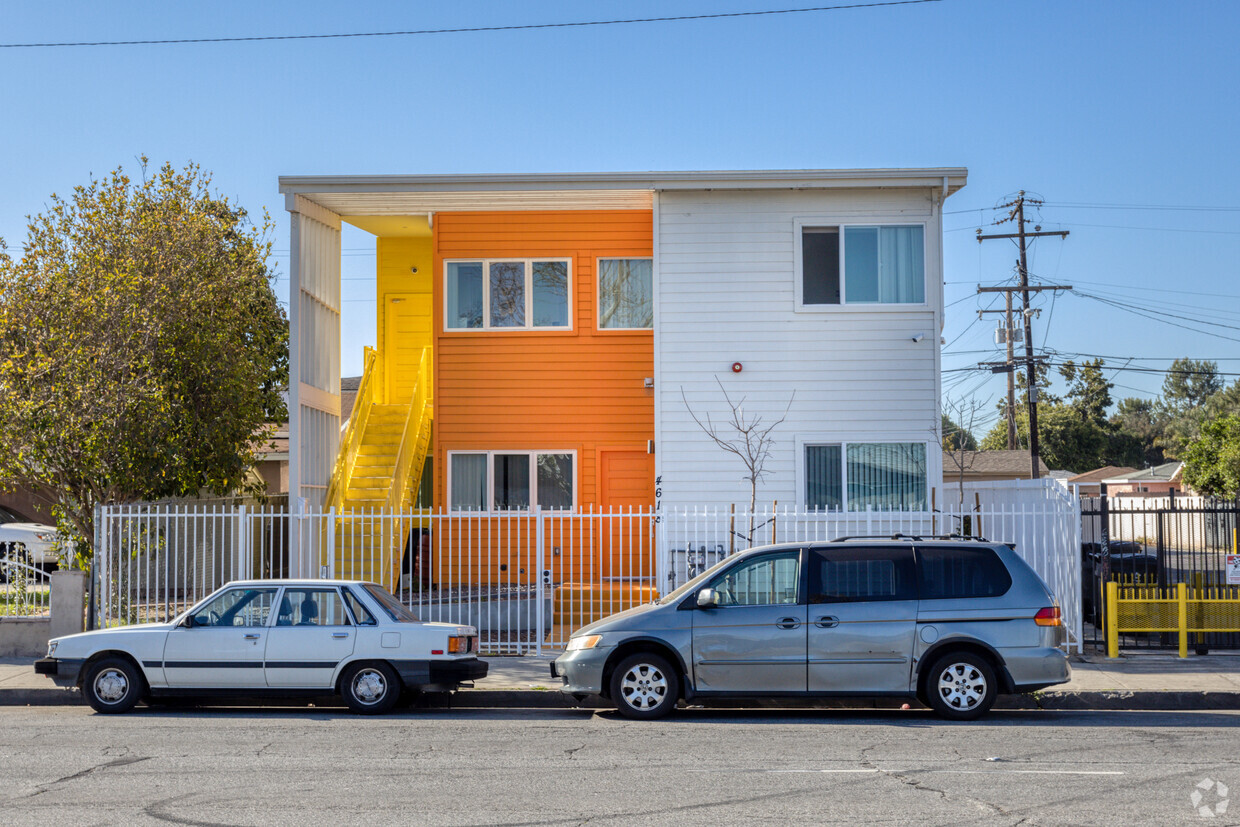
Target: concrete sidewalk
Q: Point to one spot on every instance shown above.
(1153, 681)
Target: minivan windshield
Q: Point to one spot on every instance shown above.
(697, 582)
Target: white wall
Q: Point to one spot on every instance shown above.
(314, 348)
(725, 292)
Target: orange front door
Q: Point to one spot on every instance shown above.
(626, 479)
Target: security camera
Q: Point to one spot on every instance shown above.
(919, 337)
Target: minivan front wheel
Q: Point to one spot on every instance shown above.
(961, 686)
(644, 686)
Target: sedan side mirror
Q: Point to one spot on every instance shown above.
(708, 599)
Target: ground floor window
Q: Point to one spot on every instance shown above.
(852, 476)
(511, 480)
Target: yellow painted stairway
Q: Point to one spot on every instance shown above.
(382, 452)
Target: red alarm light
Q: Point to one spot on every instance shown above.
(737, 367)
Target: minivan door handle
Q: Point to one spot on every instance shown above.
(788, 623)
(827, 622)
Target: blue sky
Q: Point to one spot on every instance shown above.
(1130, 104)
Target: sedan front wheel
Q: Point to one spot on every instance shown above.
(112, 685)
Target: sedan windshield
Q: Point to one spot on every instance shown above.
(392, 607)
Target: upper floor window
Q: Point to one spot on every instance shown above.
(863, 265)
(507, 294)
(625, 294)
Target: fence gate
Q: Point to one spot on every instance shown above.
(1155, 542)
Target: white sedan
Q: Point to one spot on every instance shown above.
(272, 637)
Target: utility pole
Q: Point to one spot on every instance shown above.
(1016, 212)
(1010, 413)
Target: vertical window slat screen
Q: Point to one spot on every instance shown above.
(823, 477)
(887, 475)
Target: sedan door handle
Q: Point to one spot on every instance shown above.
(340, 634)
(827, 622)
(252, 636)
(788, 623)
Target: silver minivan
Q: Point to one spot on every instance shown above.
(951, 622)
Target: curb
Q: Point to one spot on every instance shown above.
(553, 699)
(1113, 700)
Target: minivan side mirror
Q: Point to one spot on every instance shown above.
(708, 599)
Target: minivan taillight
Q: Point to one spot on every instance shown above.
(1050, 616)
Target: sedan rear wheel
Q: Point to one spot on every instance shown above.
(644, 686)
(370, 688)
(961, 686)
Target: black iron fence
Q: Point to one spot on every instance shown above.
(1154, 541)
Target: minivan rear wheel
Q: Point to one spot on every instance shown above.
(644, 686)
(961, 686)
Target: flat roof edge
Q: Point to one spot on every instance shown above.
(956, 177)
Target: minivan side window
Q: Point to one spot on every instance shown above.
(949, 572)
(846, 574)
(763, 581)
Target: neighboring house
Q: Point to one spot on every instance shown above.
(1089, 483)
(1158, 481)
(551, 328)
(272, 465)
(986, 466)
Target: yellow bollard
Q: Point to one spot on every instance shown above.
(1112, 619)
(1181, 597)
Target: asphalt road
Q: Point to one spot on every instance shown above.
(66, 765)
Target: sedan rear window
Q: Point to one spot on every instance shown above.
(959, 572)
(392, 607)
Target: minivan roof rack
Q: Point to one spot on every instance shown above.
(915, 537)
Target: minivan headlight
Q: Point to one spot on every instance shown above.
(583, 642)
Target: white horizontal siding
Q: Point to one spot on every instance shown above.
(725, 292)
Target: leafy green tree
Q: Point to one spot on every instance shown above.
(1089, 392)
(1065, 440)
(142, 347)
(1212, 461)
(1139, 425)
(1190, 382)
(956, 437)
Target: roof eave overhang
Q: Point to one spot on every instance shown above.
(334, 191)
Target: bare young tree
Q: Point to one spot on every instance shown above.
(746, 435)
(955, 436)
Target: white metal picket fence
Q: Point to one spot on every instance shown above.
(25, 589)
(525, 579)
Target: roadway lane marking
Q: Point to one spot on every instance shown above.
(914, 770)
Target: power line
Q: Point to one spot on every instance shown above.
(1085, 205)
(465, 29)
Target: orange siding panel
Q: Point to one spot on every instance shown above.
(530, 390)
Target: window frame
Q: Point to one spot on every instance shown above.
(802, 473)
(910, 563)
(801, 589)
(822, 222)
(490, 479)
(528, 263)
(598, 294)
(285, 590)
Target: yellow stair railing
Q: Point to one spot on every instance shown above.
(375, 540)
(351, 439)
(415, 444)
